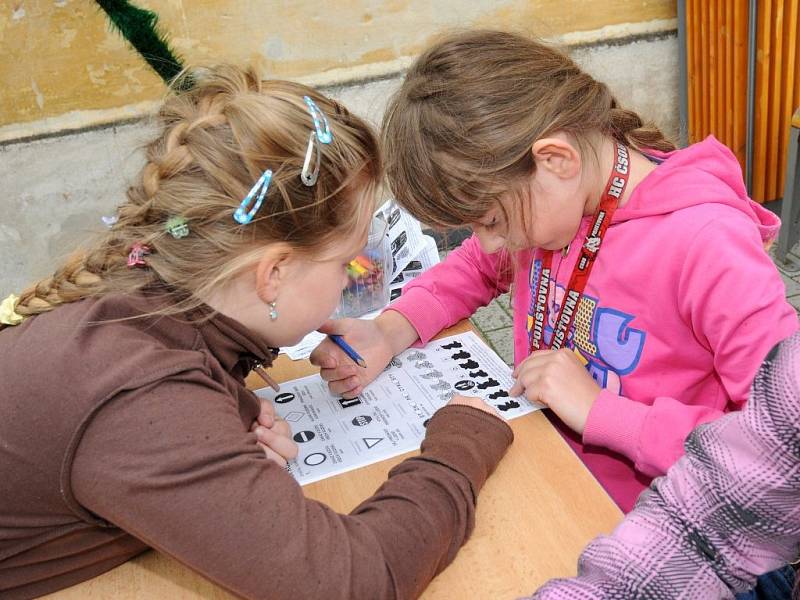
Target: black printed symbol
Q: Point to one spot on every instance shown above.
(371, 442)
(399, 242)
(470, 364)
(480, 373)
(394, 217)
(488, 383)
(284, 398)
(425, 422)
(395, 294)
(452, 345)
(414, 265)
(348, 402)
(303, 436)
(312, 460)
(361, 420)
(508, 405)
(465, 385)
(498, 394)
(462, 355)
(395, 362)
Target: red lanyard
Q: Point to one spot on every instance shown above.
(540, 291)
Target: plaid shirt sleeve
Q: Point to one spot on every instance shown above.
(726, 512)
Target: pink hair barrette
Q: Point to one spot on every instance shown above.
(137, 254)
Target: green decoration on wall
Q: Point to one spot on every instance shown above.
(138, 27)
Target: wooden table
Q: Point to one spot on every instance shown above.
(535, 515)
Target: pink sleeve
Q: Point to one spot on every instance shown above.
(733, 299)
(454, 289)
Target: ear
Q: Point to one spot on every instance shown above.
(272, 270)
(557, 155)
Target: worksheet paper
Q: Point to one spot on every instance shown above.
(336, 435)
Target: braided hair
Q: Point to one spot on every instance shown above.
(215, 141)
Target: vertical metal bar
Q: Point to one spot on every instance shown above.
(790, 207)
(683, 78)
(752, 26)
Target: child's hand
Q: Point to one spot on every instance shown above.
(478, 403)
(557, 379)
(273, 434)
(344, 377)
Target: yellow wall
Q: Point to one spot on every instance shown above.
(62, 65)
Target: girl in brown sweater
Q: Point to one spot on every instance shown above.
(124, 420)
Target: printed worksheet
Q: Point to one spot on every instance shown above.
(389, 417)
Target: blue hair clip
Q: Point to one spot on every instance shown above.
(321, 126)
(322, 132)
(260, 188)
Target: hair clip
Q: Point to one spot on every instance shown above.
(322, 132)
(109, 221)
(177, 227)
(260, 188)
(137, 254)
(8, 314)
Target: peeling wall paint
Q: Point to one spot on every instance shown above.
(60, 58)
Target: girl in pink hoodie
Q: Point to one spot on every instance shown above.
(644, 301)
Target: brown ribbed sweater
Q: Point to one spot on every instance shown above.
(116, 437)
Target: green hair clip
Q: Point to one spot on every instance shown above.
(177, 227)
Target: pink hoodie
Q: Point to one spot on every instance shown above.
(681, 307)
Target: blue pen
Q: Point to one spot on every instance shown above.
(339, 341)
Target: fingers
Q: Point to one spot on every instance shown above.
(345, 386)
(282, 427)
(532, 369)
(267, 415)
(335, 326)
(339, 373)
(281, 444)
(324, 355)
(474, 403)
(272, 455)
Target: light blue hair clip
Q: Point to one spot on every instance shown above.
(321, 125)
(260, 188)
(322, 133)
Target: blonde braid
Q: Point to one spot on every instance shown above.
(215, 141)
(83, 273)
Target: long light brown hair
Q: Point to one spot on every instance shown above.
(458, 134)
(216, 140)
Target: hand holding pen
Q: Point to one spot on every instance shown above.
(348, 349)
(355, 352)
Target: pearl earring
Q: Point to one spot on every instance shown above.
(273, 314)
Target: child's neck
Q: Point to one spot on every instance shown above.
(640, 167)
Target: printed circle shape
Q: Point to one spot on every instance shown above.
(464, 385)
(317, 458)
(303, 436)
(361, 420)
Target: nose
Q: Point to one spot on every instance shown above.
(489, 242)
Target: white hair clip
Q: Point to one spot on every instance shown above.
(323, 135)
